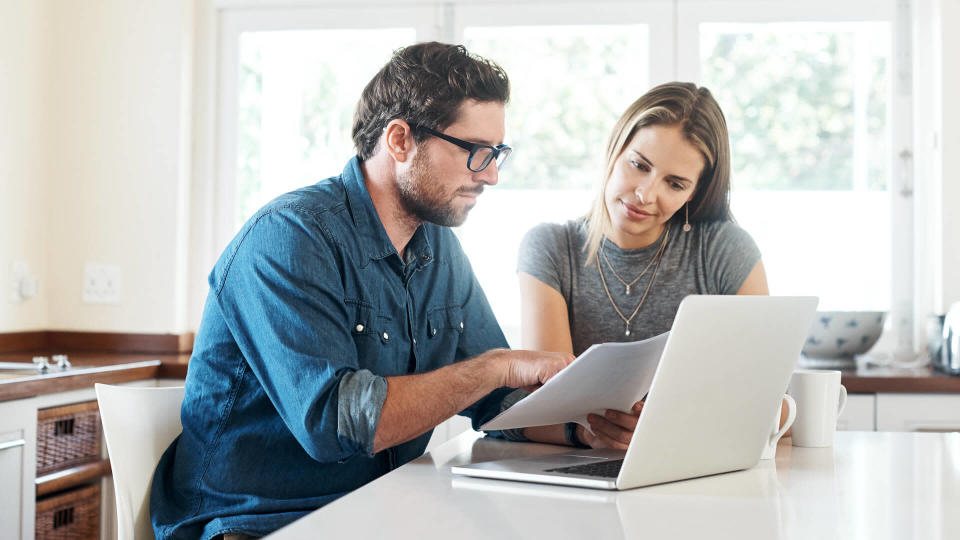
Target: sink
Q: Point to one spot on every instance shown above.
(17, 366)
(11, 374)
(17, 370)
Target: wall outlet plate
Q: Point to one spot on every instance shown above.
(23, 286)
(102, 284)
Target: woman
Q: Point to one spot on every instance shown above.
(659, 230)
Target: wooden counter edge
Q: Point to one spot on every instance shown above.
(172, 370)
(34, 386)
(900, 385)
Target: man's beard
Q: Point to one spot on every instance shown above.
(422, 196)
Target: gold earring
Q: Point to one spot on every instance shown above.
(686, 222)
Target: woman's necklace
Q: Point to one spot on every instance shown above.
(603, 254)
(658, 257)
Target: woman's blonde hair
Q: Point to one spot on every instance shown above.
(698, 114)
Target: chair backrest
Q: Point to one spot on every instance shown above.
(139, 423)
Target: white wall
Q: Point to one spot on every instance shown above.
(119, 120)
(24, 141)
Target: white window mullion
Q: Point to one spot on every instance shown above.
(229, 61)
(688, 42)
(907, 329)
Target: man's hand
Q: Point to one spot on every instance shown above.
(612, 430)
(528, 369)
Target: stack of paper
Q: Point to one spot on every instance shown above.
(605, 376)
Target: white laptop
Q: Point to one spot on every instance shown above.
(723, 372)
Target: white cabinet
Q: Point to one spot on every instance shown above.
(859, 413)
(918, 412)
(18, 462)
(901, 412)
(18, 435)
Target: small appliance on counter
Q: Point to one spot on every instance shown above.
(945, 354)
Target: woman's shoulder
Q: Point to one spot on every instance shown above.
(724, 231)
(555, 234)
(722, 240)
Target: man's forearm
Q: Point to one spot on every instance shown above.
(417, 403)
(546, 434)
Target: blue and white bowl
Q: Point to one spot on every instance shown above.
(843, 334)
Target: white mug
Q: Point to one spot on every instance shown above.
(820, 399)
(770, 449)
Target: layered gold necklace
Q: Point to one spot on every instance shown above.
(658, 256)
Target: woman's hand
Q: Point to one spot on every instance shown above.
(612, 430)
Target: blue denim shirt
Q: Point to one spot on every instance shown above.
(310, 307)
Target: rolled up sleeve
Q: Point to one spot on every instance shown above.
(361, 397)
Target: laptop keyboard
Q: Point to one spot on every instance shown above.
(604, 469)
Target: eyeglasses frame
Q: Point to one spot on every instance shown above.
(495, 151)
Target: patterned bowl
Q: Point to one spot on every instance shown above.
(843, 334)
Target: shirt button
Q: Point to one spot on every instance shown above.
(359, 328)
(426, 257)
(414, 341)
(434, 331)
(385, 336)
(461, 325)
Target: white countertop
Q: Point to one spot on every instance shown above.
(870, 485)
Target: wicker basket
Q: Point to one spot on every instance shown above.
(67, 436)
(72, 515)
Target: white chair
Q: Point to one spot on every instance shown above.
(139, 423)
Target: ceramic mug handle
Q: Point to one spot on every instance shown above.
(791, 416)
(843, 400)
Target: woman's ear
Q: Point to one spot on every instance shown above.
(399, 141)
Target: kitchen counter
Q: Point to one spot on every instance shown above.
(88, 369)
(869, 486)
(870, 379)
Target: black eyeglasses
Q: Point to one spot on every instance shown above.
(480, 154)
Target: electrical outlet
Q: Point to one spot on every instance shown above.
(102, 284)
(23, 286)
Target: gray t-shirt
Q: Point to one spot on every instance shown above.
(712, 258)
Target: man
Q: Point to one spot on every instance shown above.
(344, 321)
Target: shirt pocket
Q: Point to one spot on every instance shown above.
(373, 335)
(445, 322)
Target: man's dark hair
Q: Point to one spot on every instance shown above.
(424, 84)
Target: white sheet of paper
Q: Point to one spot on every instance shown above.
(605, 376)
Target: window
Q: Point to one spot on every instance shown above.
(289, 81)
(296, 104)
(568, 86)
(809, 90)
(807, 106)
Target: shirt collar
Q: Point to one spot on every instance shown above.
(371, 235)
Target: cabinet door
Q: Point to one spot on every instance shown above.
(918, 412)
(18, 433)
(11, 496)
(858, 414)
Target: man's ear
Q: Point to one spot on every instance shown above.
(399, 141)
